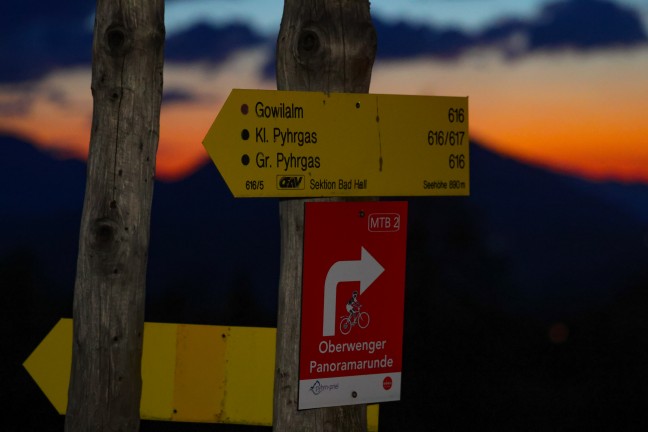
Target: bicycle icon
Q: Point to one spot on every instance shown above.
(360, 319)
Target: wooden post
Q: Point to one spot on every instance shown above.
(105, 383)
(329, 46)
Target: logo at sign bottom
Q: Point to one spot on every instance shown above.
(353, 390)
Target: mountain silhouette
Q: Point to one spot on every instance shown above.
(490, 278)
(566, 243)
(35, 182)
(569, 245)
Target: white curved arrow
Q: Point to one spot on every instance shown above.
(366, 270)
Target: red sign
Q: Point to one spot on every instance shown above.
(352, 303)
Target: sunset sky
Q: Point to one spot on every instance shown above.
(579, 108)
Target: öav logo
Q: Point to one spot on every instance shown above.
(290, 182)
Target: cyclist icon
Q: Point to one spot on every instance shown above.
(355, 317)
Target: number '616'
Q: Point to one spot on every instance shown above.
(456, 115)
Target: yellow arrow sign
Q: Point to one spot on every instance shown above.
(310, 144)
(190, 373)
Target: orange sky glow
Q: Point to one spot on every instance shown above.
(578, 113)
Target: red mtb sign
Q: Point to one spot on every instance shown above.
(352, 303)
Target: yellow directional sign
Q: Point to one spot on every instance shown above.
(310, 144)
(190, 373)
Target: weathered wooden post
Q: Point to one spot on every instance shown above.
(105, 384)
(329, 46)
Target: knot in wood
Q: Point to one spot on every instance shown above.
(308, 43)
(103, 232)
(118, 40)
(310, 48)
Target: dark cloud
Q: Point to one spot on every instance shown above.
(402, 40)
(39, 37)
(16, 15)
(170, 96)
(576, 24)
(586, 24)
(40, 47)
(205, 42)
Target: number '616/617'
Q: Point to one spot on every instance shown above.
(442, 138)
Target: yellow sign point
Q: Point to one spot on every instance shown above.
(49, 365)
(310, 144)
(190, 373)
